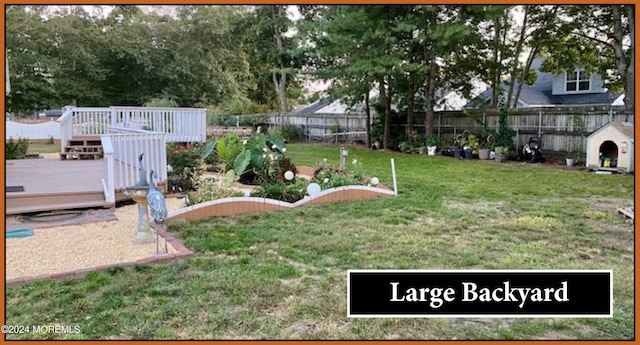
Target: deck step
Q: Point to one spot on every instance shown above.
(85, 147)
(35, 202)
(80, 155)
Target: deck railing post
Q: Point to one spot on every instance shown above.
(109, 169)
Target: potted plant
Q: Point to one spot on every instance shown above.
(573, 157)
(501, 153)
(484, 152)
(458, 144)
(432, 144)
(404, 147)
(471, 146)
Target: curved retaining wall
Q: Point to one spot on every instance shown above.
(244, 205)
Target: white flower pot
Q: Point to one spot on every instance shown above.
(431, 150)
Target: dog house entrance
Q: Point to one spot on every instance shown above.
(608, 155)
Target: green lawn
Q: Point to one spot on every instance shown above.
(44, 148)
(282, 275)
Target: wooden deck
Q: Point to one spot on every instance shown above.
(51, 184)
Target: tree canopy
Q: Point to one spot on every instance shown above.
(247, 59)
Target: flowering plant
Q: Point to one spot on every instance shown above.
(328, 176)
(263, 159)
(186, 163)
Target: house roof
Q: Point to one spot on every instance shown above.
(540, 93)
(315, 106)
(626, 128)
(51, 113)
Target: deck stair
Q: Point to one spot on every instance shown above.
(84, 147)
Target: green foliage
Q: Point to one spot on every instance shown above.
(432, 140)
(185, 164)
(292, 133)
(50, 141)
(282, 190)
(245, 266)
(206, 189)
(16, 150)
(242, 162)
(329, 176)
(504, 136)
(228, 149)
(161, 103)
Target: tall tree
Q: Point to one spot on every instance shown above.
(275, 42)
(31, 71)
(599, 39)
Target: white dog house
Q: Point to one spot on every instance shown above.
(610, 148)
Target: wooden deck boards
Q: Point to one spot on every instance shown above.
(52, 184)
(52, 176)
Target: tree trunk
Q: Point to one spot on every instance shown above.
(525, 72)
(495, 76)
(385, 100)
(431, 82)
(410, 106)
(387, 114)
(383, 104)
(367, 127)
(281, 82)
(431, 90)
(514, 70)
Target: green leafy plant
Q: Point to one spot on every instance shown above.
(432, 140)
(403, 146)
(186, 163)
(292, 133)
(503, 137)
(282, 190)
(207, 189)
(228, 149)
(328, 176)
(16, 150)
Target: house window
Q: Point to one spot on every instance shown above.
(578, 81)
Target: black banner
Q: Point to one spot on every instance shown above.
(491, 293)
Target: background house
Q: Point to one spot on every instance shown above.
(574, 87)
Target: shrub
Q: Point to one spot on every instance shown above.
(184, 165)
(289, 191)
(207, 189)
(292, 133)
(16, 150)
(328, 176)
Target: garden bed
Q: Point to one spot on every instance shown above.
(245, 205)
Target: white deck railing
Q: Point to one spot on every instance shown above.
(126, 132)
(180, 124)
(108, 181)
(127, 146)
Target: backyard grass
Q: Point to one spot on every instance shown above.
(282, 275)
(44, 148)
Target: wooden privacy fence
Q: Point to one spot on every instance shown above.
(561, 129)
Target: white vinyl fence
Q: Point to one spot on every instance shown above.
(41, 130)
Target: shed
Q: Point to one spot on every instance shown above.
(610, 148)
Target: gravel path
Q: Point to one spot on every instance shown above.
(68, 248)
